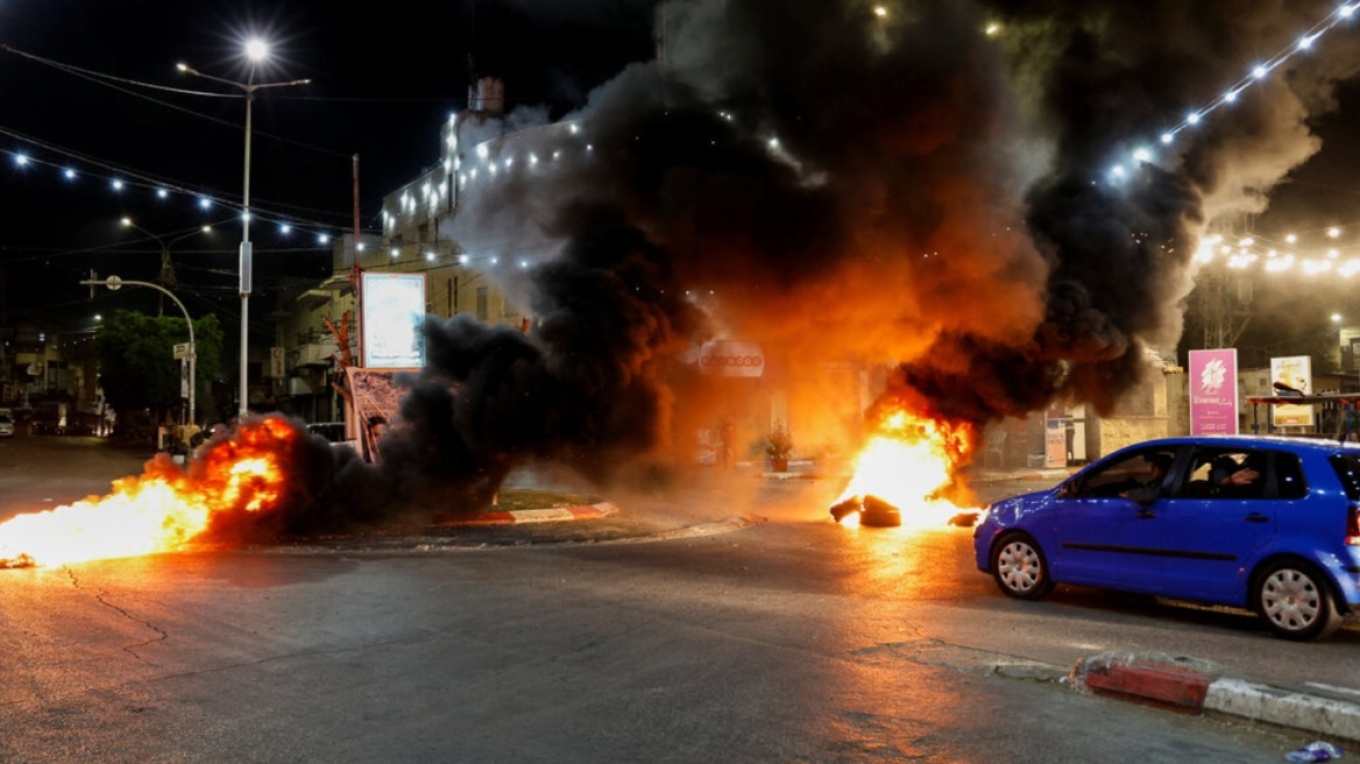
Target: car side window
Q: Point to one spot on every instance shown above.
(1289, 479)
(1228, 473)
(1126, 474)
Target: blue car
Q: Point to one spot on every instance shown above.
(1269, 524)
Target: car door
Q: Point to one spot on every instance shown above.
(1103, 538)
(1210, 535)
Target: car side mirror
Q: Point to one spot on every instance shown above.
(1067, 490)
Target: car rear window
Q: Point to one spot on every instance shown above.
(1347, 468)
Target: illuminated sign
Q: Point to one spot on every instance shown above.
(731, 359)
(1294, 372)
(1213, 392)
(393, 310)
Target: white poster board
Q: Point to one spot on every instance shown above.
(393, 310)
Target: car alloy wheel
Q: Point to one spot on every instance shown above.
(1020, 568)
(1296, 603)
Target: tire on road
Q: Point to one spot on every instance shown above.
(1020, 568)
(1295, 600)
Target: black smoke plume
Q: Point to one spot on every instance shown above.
(919, 184)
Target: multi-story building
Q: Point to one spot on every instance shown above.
(317, 325)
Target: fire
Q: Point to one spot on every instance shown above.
(165, 509)
(910, 464)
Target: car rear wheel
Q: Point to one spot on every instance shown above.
(1296, 602)
(1019, 567)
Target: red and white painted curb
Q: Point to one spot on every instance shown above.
(546, 515)
(1194, 686)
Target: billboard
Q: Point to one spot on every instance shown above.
(376, 399)
(393, 310)
(1213, 392)
(1296, 372)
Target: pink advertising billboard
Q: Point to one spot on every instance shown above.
(1213, 392)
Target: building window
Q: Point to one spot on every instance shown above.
(483, 306)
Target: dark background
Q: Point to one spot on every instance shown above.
(384, 78)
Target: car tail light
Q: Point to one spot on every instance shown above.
(1353, 526)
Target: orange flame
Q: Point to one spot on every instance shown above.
(911, 463)
(165, 509)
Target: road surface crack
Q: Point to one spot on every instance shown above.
(102, 598)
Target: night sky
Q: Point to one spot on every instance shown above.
(383, 80)
(922, 185)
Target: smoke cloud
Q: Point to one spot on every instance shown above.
(852, 188)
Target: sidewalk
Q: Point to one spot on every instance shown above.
(1194, 686)
(808, 469)
(521, 516)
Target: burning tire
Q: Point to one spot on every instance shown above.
(873, 512)
(1020, 568)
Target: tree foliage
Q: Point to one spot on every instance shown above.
(136, 357)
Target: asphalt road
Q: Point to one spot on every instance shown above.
(778, 638)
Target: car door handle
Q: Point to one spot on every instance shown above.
(1146, 514)
(1256, 517)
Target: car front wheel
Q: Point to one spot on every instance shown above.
(1294, 599)
(1019, 567)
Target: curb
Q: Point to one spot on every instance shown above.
(1193, 686)
(523, 516)
(1036, 475)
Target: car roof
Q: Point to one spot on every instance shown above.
(1296, 444)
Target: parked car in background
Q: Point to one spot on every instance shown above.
(6, 426)
(333, 432)
(1270, 524)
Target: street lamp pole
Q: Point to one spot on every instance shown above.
(167, 275)
(256, 51)
(114, 284)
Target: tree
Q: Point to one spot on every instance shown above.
(138, 370)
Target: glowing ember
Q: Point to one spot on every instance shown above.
(163, 510)
(910, 465)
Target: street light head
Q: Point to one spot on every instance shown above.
(183, 67)
(127, 222)
(256, 49)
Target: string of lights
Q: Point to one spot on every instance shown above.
(1258, 72)
(1280, 257)
(128, 181)
(1242, 252)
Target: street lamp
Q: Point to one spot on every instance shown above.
(256, 51)
(167, 276)
(114, 284)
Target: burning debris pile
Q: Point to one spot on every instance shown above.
(911, 462)
(267, 480)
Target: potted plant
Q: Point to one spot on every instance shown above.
(778, 446)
